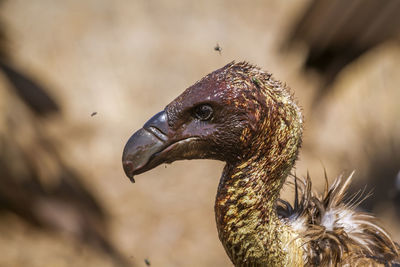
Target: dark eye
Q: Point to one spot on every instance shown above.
(203, 112)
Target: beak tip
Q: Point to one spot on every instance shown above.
(128, 168)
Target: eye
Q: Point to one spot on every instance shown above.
(203, 112)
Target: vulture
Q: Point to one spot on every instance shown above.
(241, 115)
(336, 33)
(36, 182)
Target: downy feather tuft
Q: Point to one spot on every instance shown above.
(334, 232)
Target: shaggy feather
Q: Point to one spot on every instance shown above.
(334, 232)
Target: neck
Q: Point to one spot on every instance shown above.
(245, 208)
(246, 216)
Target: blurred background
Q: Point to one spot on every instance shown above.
(77, 78)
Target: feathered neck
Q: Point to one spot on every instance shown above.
(247, 221)
(245, 208)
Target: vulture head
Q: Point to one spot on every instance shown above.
(233, 114)
(241, 115)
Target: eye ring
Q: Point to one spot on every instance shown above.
(203, 112)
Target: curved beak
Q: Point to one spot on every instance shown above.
(158, 143)
(141, 148)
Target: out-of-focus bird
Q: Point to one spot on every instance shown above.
(36, 183)
(338, 32)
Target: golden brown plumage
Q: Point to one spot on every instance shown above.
(241, 115)
(333, 232)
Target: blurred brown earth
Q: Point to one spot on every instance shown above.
(125, 60)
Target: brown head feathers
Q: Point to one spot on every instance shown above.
(243, 116)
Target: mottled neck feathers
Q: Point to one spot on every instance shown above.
(320, 230)
(245, 208)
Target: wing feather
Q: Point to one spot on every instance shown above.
(334, 232)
